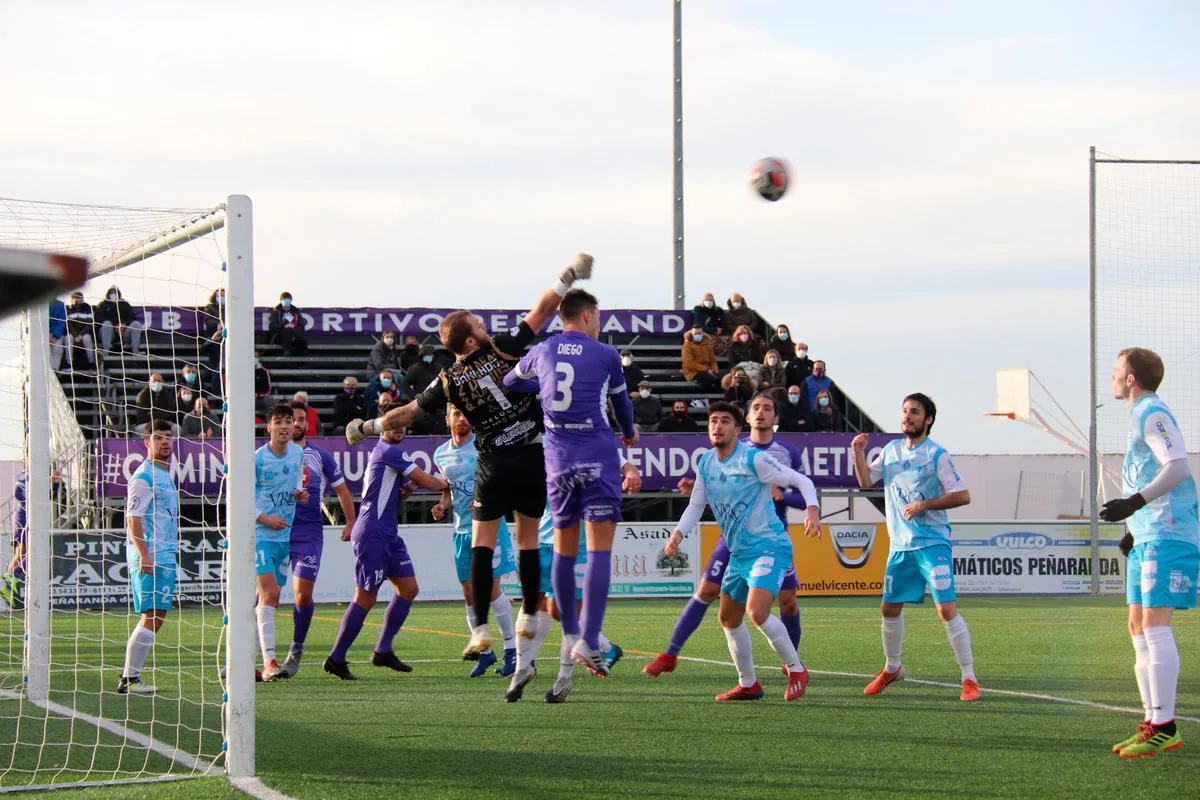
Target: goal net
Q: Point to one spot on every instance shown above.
(1146, 285)
(89, 692)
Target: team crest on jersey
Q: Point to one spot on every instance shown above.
(268, 475)
(852, 544)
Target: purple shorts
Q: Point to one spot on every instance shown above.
(584, 488)
(376, 560)
(719, 562)
(305, 558)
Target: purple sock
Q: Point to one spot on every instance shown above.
(689, 619)
(596, 579)
(562, 577)
(352, 622)
(393, 619)
(792, 623)
(301, 620)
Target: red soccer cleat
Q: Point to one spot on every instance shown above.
(797, 684)
(970, 690)
(883, 680)
(740, 692)
(664, 663)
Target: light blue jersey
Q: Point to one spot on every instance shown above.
(909, 474)
(153, 498)
(276, 481)
(1155, 440)
(457, 465)
(738, 489)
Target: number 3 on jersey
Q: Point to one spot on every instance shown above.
(562, 394)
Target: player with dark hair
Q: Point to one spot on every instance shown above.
(920, 485)
(511, 473)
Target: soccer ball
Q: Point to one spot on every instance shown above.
(769, 177)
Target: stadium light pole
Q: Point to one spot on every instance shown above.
(678, 166)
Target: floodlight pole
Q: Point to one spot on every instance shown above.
(678, 293)
(1094, 456)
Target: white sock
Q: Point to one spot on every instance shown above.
(266, 631)
(893, 641)
(742, 652)
(777, 636)
(140, 642)
(529, 649)
(470, 619)
(960, 643)
(1141, 668)
(502, 608)
(605, 644)
(1164, 673)
(565, 663)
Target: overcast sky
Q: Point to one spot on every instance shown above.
(456, 154)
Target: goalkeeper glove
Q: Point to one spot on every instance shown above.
(1126, 543)
(358, 430)
(580, 269)
(1121, 508)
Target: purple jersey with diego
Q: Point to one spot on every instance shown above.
(789, 456)
(576, 376)
(379, 552)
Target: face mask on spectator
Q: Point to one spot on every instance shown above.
(427, 359)
(348, 389)
(680, 412)
(697, 337)
(736, 304)
(220, 299)
(155, 386)
(783, 336)
(190, 377)
(793, 398)
(772, 361)
(818, 373)
(113, 296)
(385, 382)
(258, 362)
(185, 397)
(744, 337)
(286, 303)
(801, 354)
(708, 303)
(626, 361)
(644, 393)
(389, 341)
(823, 402)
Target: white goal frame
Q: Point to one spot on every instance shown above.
(235, 216)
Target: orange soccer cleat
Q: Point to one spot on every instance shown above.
(740, 692)
(664, 663)
(970, 689)
(883, 679)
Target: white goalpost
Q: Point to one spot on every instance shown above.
(164, 330)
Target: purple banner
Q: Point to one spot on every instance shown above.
(418, 321)
(663, 458)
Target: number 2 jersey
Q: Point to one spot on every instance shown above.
(473, 385)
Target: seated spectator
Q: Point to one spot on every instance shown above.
(739, 387)
(816, 383)
(420, 374)
(800, 367)
(199, 422)
(383, 405)
(679, 420)
(795, 417)
(699, 360)
(633, 373)
(58, 333)
(411, 353)
(263, 397)
(81, 333)
(782, 342)
(117, 318)
(314, 419)
(190, 378)
(348, 405)
(774, 373)
(155, 402)
(384, 383)
(739, 314)
(826, 416)
(286, 326)
(185, 399)
(647, 408)
(384, 355)
(708, 316)
(745, 347)
(212, 330)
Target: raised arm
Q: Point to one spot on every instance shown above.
(523, 377)
(547, 304)
(862, 470)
